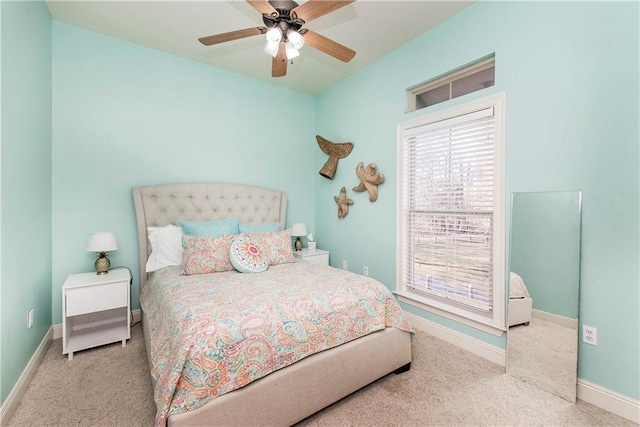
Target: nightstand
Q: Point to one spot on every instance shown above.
(318, 256)
(95, 310)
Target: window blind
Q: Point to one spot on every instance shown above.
(448, 205)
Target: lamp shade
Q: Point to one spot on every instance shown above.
(298, 229)
(102, 242)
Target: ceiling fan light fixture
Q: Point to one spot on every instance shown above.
(296, 39)
(274, 34)
(291, 51)
(283, 21)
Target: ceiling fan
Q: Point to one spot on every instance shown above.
(283, 20)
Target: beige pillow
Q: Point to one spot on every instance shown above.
(276, 244)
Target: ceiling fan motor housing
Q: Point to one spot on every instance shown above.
(283, 6)
(284, 20)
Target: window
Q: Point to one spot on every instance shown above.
(451, 211)
(469, 78)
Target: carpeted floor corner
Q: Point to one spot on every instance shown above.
(103, 386)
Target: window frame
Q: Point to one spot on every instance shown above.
(496, 323)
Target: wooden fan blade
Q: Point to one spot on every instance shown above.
(328, 46)
(279, 65)
(314, 9)
(231, 35)
(263, 6)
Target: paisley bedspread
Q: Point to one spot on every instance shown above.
(214, 333)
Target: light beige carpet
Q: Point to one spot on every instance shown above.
(446, 386)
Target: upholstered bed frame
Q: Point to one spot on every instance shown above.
(520, 310)
(291, 394)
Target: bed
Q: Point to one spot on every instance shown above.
(520, 302)
(291, 390)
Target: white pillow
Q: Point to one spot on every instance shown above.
(166, 247)
(517, 288)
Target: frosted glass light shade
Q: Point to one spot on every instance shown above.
(298, 229)
(272, 48)
(296, 39)
(291, 51)
(274, 34)
(102, 242)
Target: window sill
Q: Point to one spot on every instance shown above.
(424, 304)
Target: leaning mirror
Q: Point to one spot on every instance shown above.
(542, 340)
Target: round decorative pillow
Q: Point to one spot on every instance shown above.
(247, 256)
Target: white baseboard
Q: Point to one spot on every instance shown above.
(490, 352)
(11, 403)
(601, 397)
(554, 318)
(608, 400)
(57, 329)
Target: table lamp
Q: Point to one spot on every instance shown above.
(101, 243)
(298, 230)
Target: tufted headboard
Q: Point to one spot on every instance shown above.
(160, 205)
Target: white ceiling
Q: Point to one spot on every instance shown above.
(372, 28)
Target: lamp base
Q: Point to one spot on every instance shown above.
(298, 244)
(102, 263)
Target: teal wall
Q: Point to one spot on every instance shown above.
(545, 248)
(25, 192)
(570, 71)
(125, 115)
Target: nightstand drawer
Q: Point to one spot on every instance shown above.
(317, 256)
(321, 258)
(90, 299)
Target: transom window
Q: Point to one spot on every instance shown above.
(451, 210)
(461, 81)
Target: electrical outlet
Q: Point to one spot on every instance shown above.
(590, 335)
(365, 270)
(345, 266)
(30, 318)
